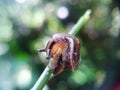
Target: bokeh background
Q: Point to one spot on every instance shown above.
(27, 25)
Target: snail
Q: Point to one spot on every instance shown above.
(63, 52)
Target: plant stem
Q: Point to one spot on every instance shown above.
(81, 22)
(47, 73)
(43, 79)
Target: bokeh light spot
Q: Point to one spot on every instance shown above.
(20, 1)
(24, 77)
(3, 48)
(62, 12)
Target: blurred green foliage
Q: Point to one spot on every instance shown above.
(27, 25)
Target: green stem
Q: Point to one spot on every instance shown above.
(81, 22)
(43, 79)
(47, 73)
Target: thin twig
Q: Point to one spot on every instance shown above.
(81, 22)
(43, 79)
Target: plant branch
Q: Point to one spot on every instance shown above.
(43, 79)
(47, 73)
(81, 22)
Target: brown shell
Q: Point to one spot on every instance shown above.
(63, 50)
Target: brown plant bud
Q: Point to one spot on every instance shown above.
(63, 51)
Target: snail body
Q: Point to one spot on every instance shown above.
(63, 51)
